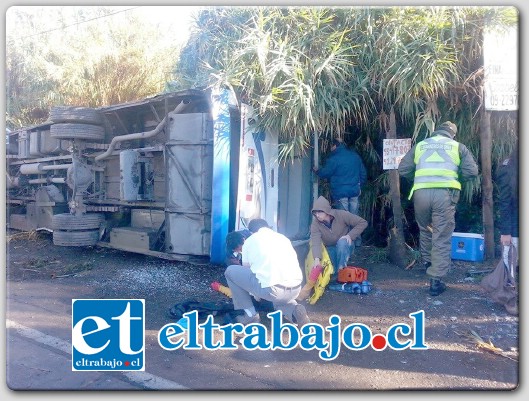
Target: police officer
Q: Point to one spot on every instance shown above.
(437, 165)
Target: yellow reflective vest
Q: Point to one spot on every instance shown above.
(437, 162)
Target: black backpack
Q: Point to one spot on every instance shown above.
(222, 311)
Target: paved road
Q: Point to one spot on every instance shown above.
(39, 319)
(39, 358)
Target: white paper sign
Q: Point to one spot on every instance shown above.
(500, 59)
(394, 151)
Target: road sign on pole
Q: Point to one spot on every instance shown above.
(500, 59)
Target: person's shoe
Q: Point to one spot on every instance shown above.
(245, 319)
(300, 315)
(437, 287)
(424, 266)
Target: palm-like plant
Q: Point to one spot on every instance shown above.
(329, 71)
(296, 66)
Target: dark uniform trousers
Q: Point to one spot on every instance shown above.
(435, 209)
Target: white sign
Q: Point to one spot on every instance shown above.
(394, 151)
(500, 60)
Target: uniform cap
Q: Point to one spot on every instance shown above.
(449, 127)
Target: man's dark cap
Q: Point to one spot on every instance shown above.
(449, 127)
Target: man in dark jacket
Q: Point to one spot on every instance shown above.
(346, 174)
(437, 165)
(234, 243)
(509, 225)
(507, 182)
(337, 230)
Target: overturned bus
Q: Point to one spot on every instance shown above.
(168, 176)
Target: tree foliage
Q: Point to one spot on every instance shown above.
(339, 71)
(307, 71)
(85, 56)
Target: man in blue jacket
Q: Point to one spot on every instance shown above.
(346, 173)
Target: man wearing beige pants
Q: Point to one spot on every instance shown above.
(270, 270)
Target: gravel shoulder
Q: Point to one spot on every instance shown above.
(454, 320)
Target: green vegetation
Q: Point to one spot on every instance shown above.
(339, 72)
(84, 56)
(306, 70)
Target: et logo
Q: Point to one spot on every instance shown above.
(108, 334)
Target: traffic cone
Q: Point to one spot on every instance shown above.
(311, 281)
(215, 285)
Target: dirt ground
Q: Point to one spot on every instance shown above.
(454, 320)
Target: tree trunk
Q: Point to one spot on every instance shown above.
(486, 184)
(316, 160)
(397, 246)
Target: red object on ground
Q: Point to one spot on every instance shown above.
(216, 286)
(315, 272)
(352, 274)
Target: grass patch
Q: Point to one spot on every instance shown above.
(23, 236)
(78, 267)
(376, 255)
(38, 264)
